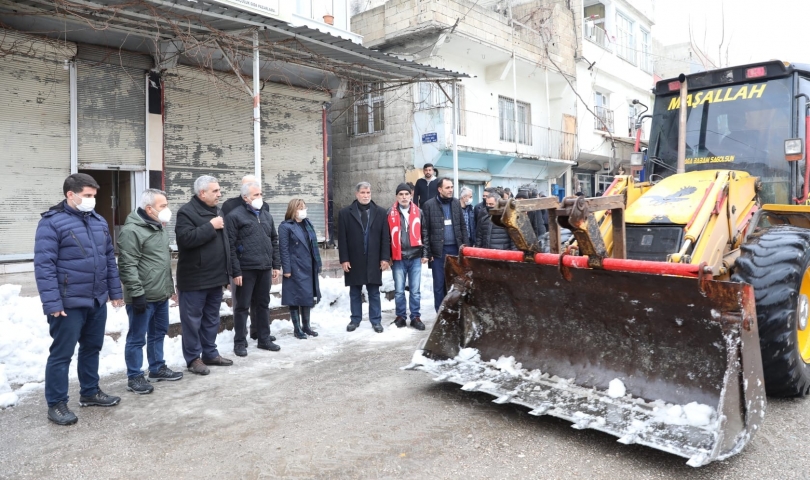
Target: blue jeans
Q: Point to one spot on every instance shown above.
(412, 269)
(439, 290)
(374, 307)
(150, 326)
(84, 326)
(199, 320)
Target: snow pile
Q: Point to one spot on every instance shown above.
(694, 414)
(507, 365)
(7, 397)
(25, 339)
(616, 388)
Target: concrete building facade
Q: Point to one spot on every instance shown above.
(615, 69)
(515, 116)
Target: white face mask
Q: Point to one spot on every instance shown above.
(302, 214)
(165, 215)
(257, 203)
(87, 205)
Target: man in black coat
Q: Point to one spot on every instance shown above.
(255, 263)
(364, 247)
(445, 232)
(203, 268)
(490, 235)
(425, 188)
(481, 208)
(227, 207)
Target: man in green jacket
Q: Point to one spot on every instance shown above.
(145, 269)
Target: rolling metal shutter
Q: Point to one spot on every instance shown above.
(34, 136)
(292, 150)
(208, 130)
(111, 94)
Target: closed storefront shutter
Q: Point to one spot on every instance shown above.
(34, 136)
(292, 150)
(208, 130)
(111, 94)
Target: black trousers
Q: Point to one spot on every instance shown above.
(252, 297)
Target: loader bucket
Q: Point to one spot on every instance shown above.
(665, 361)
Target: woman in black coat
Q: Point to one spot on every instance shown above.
(300, 264)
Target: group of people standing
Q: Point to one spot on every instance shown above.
(239, 244)
(76, 274)
(424, 225)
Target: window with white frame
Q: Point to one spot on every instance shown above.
(369, 109)
(625, 39)
(631, 120)
(604, 115)
(429, 95)
(462, 110)
(506, 116)
(646, 51)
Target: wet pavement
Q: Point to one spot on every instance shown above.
(345, 409)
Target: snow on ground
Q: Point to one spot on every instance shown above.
(25, 340)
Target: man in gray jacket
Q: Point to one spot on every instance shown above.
(255, 262)
(145, 269)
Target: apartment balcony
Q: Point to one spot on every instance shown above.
(603, 120)
(596, 34)
(489, 133)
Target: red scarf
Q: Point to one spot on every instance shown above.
(395, 227)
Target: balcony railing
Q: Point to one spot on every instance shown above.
(597, 35)
(603, 120)
(483, 132)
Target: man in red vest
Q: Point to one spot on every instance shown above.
(408, 253)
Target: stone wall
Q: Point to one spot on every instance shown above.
(380, 158)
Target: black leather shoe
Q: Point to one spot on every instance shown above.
(378, 328)
(60, 414)
(417, 323)
(400, 322)
(269, 346)
(351, 327)
(100, 399)
(240, 350)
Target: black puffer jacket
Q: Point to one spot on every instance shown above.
(433, 228)
(253, 239)
(203, 259)
(492, 236)
(230, 204)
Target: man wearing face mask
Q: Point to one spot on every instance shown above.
(145, 266)
(255, 262)
(227, 207)
(203, 269)
(76, 273)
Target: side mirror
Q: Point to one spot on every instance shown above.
(637, 159)
(794, 149)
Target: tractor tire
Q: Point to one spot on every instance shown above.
(775, 262)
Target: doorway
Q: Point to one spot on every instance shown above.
(115, 198)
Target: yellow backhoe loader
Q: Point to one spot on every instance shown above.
(684, 297)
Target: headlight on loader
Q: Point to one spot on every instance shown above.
(794, 149)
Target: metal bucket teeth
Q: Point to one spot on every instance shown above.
(683, 350)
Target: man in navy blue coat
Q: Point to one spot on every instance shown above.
(76, 273)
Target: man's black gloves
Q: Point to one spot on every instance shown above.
(139, 304)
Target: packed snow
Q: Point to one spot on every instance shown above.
(25, 339)
(616, 388)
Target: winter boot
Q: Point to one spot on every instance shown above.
(400, 322)
(296, 321)
(416, 323)
(305, 321)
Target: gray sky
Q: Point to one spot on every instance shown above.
(755, 30)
